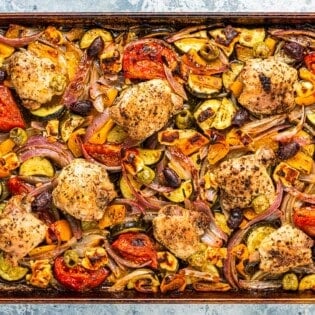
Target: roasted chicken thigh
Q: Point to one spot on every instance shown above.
(285, 248)
(20, 230)
(245, 178)
(83, 190)
(179, 229)
(145, 108)
(268, 86)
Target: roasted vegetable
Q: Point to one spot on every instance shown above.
(188, 140)
(215, 113)
(37, 166)
(10, 115)
(130, 225)
(304, 219)
(68, 124)
(228, 77)
(181, 193)
(48, 112)
(78, 278)
(10, 272)
(91, 34)
(250, 37)
(167, 262)
(290, 282)
(307, 283)
(204, 86)
(186, 44)
(256, 235)
(113, 215)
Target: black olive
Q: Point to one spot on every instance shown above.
(42, 201)
(251, 267)
(294, 50)
(42, 205)
(235, 218)
(96, 47)
(287, 150)
(240, 117)
(171, 178)
(3, 75)
(313, 252)
(82, 108)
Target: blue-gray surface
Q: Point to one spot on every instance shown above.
(155, 6)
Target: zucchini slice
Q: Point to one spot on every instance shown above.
(138, 225)
(186, 44)
(250, 37)
(37, 165)
(68, 124)
(181, 193)
(48, 112)
(204, 86)
(91, 34)
(228, 77)
(9, 272)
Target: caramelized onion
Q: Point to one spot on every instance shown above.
(19, 41)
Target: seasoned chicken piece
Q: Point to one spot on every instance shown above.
(20, 230)
(285, 248)
(268, 86)
(245, 178)
(179, 229)
(83, 190)
(145, 108)
(36, 80)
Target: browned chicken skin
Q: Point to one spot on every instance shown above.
(36, 80)
(179, 229)
(244, 178)
(268, 86)
(285, 248)
(20, 230)
(84, 190)
(145, 108)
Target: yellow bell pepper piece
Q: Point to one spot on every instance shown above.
(6, 146)
(100, 136)
(74, 143)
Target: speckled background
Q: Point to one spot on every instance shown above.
(157, 6)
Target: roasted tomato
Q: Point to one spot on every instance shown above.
(309, 60)
(10, 115)
(108, 154)
(17, 186)
(78, 278)
(144, 59)
(304, 219)
(136, 247)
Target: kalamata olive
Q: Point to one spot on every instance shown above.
(82, 108)
(42, 201)
(251, 267)
(287, 150)
(294, 50)
(240, 117)
(3, 75)
(171, 178)
(96, 47)
(235, 218)
(42, 205)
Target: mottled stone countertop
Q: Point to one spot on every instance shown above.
(157, 6)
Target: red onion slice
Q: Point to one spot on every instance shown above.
(19, 41)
